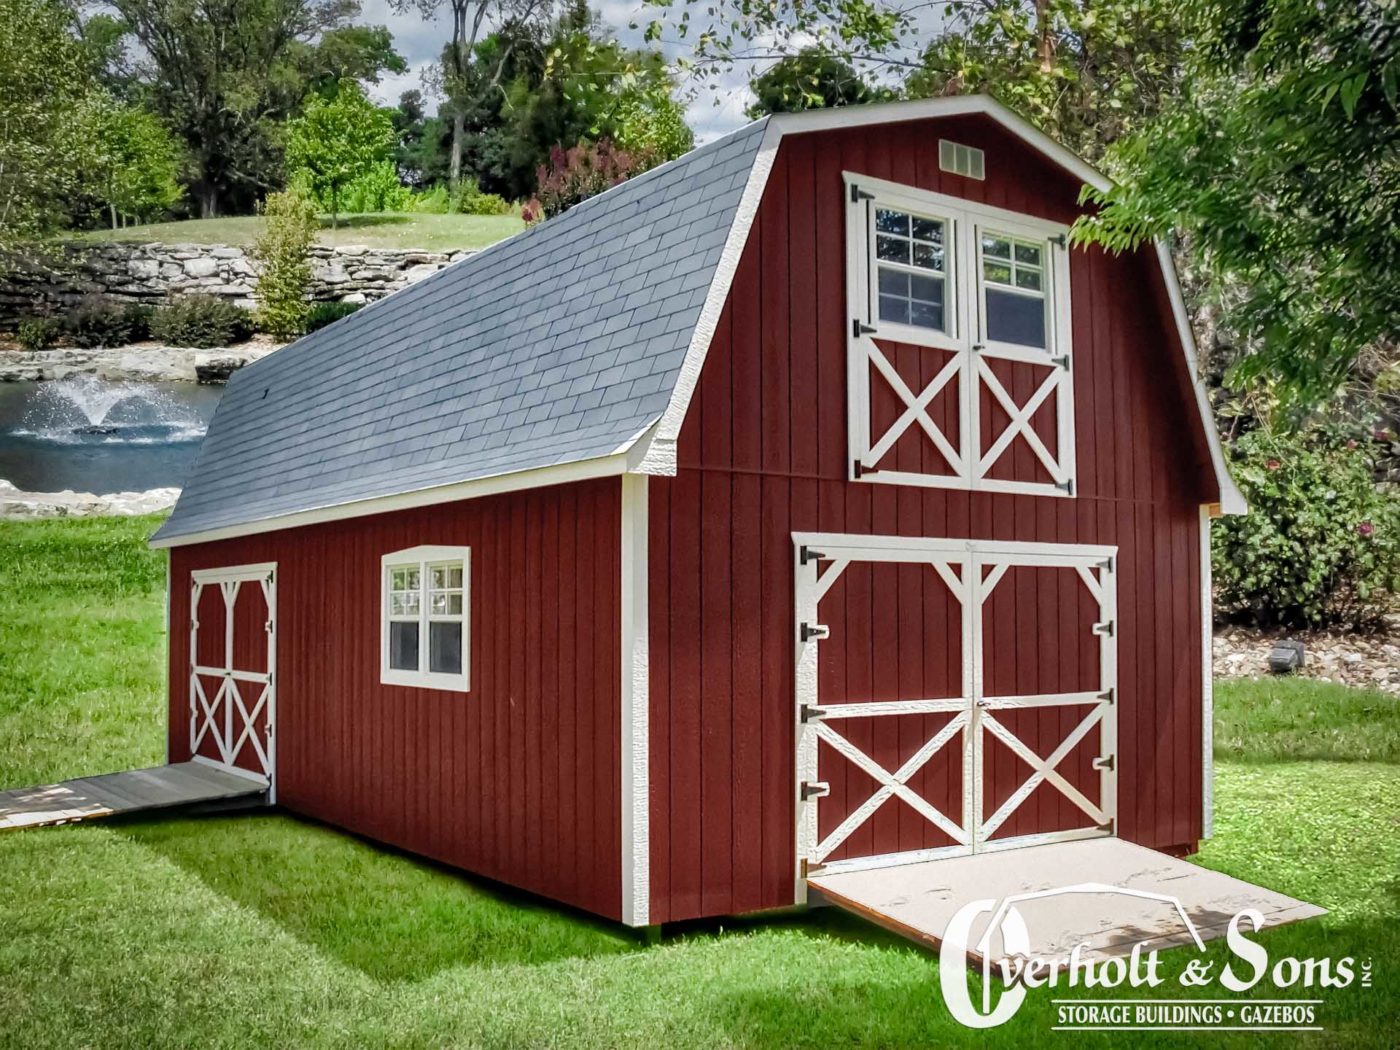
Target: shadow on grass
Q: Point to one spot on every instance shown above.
(389, 915)
(367, 220)
(826, 923)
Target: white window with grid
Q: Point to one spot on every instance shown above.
(425, 637)
(980, 297)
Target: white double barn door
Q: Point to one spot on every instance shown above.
(952, 697)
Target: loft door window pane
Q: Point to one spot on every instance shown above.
(1013, 278)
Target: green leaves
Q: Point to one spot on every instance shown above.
(337, 140)
(1321, 544)
(283, 251)
(1281, 164)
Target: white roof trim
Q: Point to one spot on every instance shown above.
(658, 454)
(515, 481)
(1231, 499)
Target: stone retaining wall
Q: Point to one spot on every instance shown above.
(31, 284)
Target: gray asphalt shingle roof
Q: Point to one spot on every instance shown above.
(558, 345)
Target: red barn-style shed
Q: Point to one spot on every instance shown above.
(807, 504)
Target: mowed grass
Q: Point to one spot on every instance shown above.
(268, 930)
(1299, 718)
(380, 230)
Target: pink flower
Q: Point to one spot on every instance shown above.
(1365, 529)
(1351, 442)
(1273, 464)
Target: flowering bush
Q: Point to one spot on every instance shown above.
(574, 175)
(1321, 543)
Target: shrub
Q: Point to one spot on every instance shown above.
(139, 317)
(100, 323)
(435, 201)
(38, 333)
(471, 201)
(1321, 544)
(322, 314)
(376, 190)
(201, 321)
(574, 175)
(284, 250)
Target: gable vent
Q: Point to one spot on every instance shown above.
(961, 160)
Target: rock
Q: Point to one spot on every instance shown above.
(417, 273)
(201, 267)
(15, 503)
(150, 273)
(1348, 658)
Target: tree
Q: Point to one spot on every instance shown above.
(45, 85)
(131, 163)
(865, 32)
(337, 140)
(810, 79)
(1085, 71)
(283, 249)
(224, 73)
(1281, 163)
(570, 83)
(464, 84)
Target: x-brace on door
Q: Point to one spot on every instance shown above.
(1028, 712)
(233, 669)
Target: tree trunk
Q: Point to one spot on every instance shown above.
(208, 201)
(112, 210)
(459, 131)
(335, 206)
(1045, 43)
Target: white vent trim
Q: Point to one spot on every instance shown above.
(967, 161)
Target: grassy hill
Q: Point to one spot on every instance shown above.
(381, 230)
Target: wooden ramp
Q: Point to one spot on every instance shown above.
(134, 791)
(1103, 893)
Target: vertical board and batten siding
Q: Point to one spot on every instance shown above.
(762, 454)
(516, 780)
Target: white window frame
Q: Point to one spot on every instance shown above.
(422, 558)
(965, 339)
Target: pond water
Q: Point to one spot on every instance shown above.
(91, 435)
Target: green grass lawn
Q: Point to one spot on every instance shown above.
(383, 230)
(264, 929)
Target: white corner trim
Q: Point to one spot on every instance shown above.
(636, 800)
(1207, 684)
(515, 481)
(169, 584)
(1231, 499)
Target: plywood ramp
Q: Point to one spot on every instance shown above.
(132, 791)
(1068, 893)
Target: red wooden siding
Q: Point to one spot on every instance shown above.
(517, 780)
(763, 454)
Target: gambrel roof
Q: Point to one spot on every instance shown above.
(569, 350)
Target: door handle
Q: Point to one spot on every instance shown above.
(982, 703)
